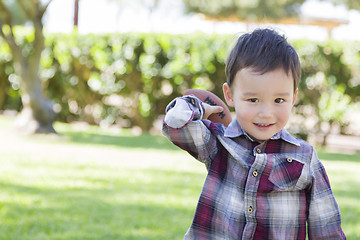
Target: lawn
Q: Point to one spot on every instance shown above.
(91, 183)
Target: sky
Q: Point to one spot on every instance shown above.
(104, 16)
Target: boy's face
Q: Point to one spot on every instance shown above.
(262, 102)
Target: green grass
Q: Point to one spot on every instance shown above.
(343, 171)
(110, 184)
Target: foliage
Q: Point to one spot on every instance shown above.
(128, 79)
(255, 10)
(245, 9)
(350, 4)
(329, 84)
(142, 187)
(37, 114)
(17, 14)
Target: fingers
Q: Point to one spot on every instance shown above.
(209, 109)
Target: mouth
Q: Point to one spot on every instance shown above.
(263, 125)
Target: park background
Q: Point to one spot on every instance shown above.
(108, 173)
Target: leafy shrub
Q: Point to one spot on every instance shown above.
(130, 78)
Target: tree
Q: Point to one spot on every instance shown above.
(255, 10)
(350, 4)
(252, 10)
(37, 115)
(329, 88)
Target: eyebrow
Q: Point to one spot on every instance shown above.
(247, 94)
(285, 94)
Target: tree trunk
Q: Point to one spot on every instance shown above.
(37, 115)
(4, 87)
(326, 135)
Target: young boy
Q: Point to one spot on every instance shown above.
(262, 182)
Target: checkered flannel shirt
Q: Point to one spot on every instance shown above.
(274, 190)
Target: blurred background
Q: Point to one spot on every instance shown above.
(310, 19)
(98, 74)
(119, 63)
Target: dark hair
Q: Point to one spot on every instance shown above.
(263, 50)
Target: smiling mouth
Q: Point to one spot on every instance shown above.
(264, 125)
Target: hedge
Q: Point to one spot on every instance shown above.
(128, 79)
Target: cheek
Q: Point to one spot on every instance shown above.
(244, 112)
(284, 113)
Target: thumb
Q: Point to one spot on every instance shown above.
(209, 109)
(217, 109)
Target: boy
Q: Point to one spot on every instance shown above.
(262, 182)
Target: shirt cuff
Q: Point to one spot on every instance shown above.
(183, 110)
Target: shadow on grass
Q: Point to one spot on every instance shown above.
(144, 141)
(74, 216)
(127, 211)
(148, 141)
(80, 213)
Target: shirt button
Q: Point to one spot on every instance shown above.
(258, 150)
(289, 160)
(250, 209)
(255, 173)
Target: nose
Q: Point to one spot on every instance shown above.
(265, 111)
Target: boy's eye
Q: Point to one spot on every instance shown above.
(279, 100)
(253, 100)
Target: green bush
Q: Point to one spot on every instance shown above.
(130, 78)
(329, 87)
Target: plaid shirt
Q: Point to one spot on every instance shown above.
(274, 190)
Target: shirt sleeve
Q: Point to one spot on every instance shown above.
(184, 127)
(324, 220)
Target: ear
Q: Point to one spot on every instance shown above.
(294, 97)
(228, 95)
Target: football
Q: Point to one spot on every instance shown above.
(223, 117)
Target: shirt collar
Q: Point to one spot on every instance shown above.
(235, 130)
